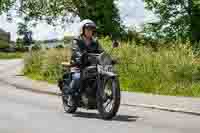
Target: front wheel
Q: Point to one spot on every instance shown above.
(108, 98)
(69, 104)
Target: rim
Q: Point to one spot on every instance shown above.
(108, 99)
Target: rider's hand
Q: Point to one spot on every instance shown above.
(114, 61)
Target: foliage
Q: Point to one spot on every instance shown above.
(104, 13)
(178, 19)
(171, 70)
(20, 46)
(59, 46)
(5, 5)
(195, 18)
(36, 47)
(22, 28)
(132, 35)
(24, 31)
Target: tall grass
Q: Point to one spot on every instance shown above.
(169, 71)
(46, 64)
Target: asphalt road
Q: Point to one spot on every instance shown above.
(26, 112)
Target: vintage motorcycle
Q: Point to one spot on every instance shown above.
(99, 86)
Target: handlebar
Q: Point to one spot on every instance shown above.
(93, 54)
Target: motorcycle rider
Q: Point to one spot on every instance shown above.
(85, 42)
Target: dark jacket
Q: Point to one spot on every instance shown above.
(79, 47)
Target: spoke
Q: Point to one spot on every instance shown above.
(69, 101)
(108, 92)
(108, 103)
(111, 104)
(110, 97)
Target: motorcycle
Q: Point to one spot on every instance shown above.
(99, 86)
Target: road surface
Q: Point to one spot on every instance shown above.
(26, 112)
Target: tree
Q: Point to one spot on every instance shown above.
(22, 28)
(5, 5)
(195, 18)
(24, 31)
(104, 13)
(178, 19)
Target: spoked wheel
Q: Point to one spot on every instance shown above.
(108, 99)
(69, 104)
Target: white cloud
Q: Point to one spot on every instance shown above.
(43, 31)
(132, 12)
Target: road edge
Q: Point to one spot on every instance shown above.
(31, 89)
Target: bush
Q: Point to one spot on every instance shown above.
(19, 45)
(36, 46)
(59, 46)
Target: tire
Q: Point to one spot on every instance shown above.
(68, 108)
(116, 96)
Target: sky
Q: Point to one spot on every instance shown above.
(132, 12)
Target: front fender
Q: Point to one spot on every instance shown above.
(111, 74)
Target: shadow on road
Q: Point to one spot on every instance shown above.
(121, 118)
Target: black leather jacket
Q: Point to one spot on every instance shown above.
(79, 47)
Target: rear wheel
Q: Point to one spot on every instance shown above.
(108, 98)
(69, 104)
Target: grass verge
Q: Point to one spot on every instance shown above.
(11, 55)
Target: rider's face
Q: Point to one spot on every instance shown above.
(89, 32)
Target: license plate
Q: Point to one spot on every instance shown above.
(105, 69)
